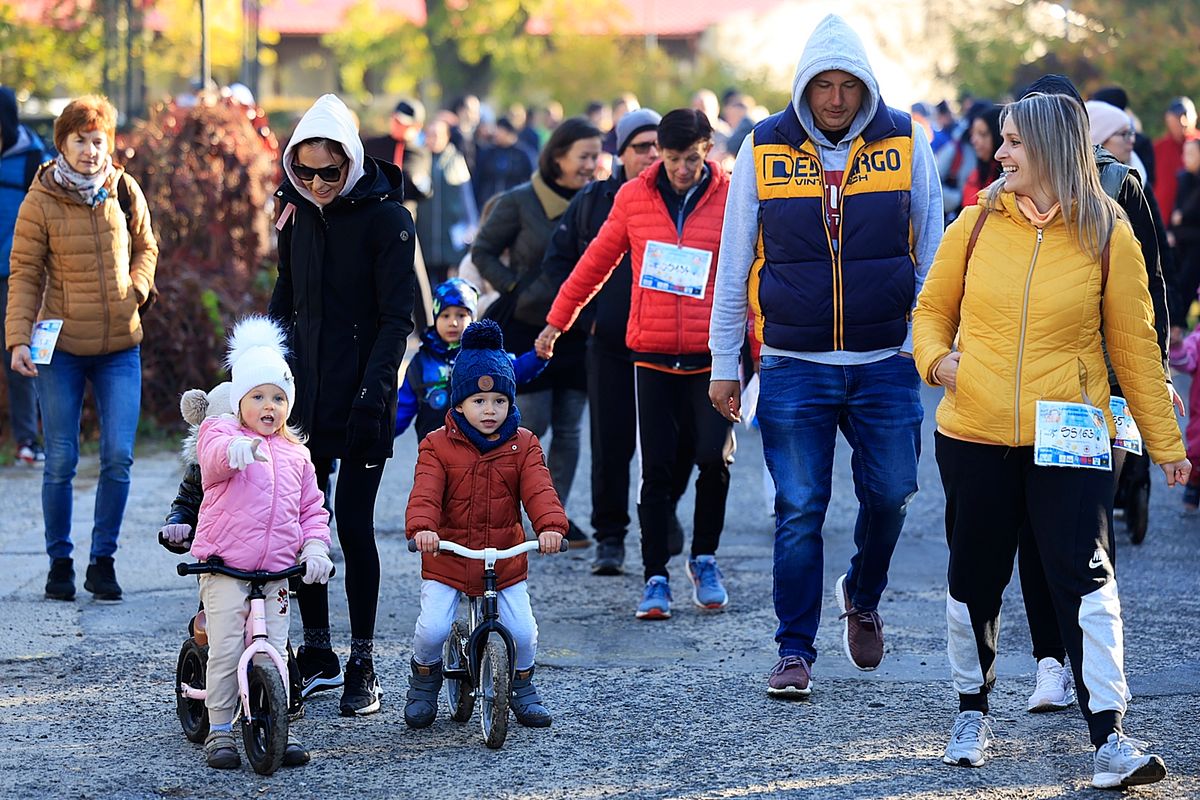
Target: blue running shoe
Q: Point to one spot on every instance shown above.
(707, 589)
(656, 600)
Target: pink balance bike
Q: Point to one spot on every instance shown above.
(478, 657)
(263, 688)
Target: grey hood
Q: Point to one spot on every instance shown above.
(834, 45)
(327, 119)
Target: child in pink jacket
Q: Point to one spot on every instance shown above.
(262, 510)
(1185, 357)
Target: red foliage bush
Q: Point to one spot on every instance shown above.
(208, 172)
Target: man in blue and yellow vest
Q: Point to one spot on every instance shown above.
(833, 218)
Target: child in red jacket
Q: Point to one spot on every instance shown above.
(472, 477)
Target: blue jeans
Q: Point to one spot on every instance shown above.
(801, 407)
(116, 380)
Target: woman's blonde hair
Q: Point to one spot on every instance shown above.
(1054, 132)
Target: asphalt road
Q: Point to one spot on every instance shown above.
(673, 709)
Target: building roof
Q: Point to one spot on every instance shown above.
(679, 18)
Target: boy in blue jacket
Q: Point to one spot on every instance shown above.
(424, 394)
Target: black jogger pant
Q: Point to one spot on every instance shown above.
(991, 491)
(671, 408)
(612, 414)
(1035, 591)
(354, 511)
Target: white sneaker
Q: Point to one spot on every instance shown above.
(1055, 687)
(1120, 762)
(969, 740)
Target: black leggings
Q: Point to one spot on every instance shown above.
(354, 510)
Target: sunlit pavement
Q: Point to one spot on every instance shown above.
(670, 709)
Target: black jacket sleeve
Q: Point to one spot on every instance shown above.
(496, 235)
(1148, 227)
(185, 508)
(392, 269)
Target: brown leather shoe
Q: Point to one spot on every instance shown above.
(862, 634)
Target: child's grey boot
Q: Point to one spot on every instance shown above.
(423, 686)
(526, 704)
(220, 750)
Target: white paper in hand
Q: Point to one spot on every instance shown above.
(43, 340)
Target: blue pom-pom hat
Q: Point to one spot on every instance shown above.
(482, 364)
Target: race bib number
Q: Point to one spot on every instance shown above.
(1071, 435)
(43, 340)
(675, 270)
(1129, 438)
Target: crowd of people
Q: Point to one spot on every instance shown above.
(1030, 258)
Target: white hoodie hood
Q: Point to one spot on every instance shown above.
(327, 119)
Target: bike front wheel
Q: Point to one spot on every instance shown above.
(460, 693)
(494, 692)
(191, 669)
(265, 733)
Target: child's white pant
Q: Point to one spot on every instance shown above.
(439, 605)
(226, 606)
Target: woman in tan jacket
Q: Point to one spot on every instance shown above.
(83, 254)
(1010, 322)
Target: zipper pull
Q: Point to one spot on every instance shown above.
(1039, 230)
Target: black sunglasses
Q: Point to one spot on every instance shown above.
(328, 174)
(641, 148)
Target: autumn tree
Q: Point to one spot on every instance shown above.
(1146, 46)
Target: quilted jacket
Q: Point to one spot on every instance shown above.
(258, 518)
(659, 322)
(94, 268)
(475, 500)
(1027, 313)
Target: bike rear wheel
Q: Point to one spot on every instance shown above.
(265, 733)
(494, 692)
(459, 693)
(191, 668)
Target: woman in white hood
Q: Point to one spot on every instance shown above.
(345, 296)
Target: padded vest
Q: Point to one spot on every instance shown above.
(808, 292)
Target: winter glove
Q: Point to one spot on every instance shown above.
(176, 533)
(243, 451)
(363, 431)
(315, 558)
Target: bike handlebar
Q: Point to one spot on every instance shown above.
(496, 555)
(256, 576)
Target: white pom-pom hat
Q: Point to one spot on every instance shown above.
(256, 356)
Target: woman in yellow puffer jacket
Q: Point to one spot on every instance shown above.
(1011, 315)
(83, 253)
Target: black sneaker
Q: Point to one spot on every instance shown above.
(361, 694)
(319, 669)
(101, 580)
(576, 538)
(60, 583)
(610, 557)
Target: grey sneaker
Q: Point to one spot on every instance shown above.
(1121, 762)
(969, 740)
(790, 677)
(1055, 688)
(220, 750)
(610, 557)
